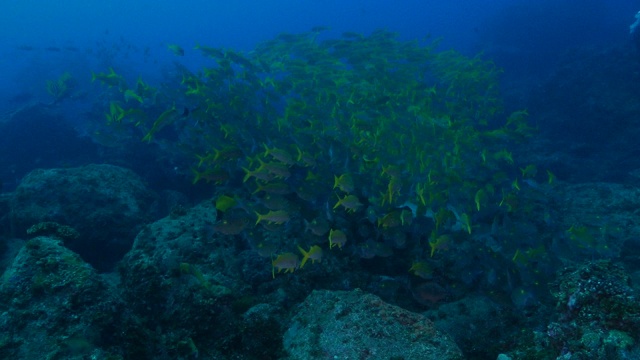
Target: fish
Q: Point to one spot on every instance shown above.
(276, 217)
(25, 48)
(217, 175)
(551, 177)
(225, 202)
(209, 51)
(504, 155)
(288, 262)
(275, 202)
(277, 169)
(305, 159)
(480, 198)
(260, 174)
(337, 238)
(439, 243)
(277, 188)
(318, 226)
(110, 79)
(421, 269)
(314, 253)
(279, 154)
(350, 202)
(465, 222)
(177, 50)
(164, 119)
(232, 226)
(390, 220)
(529, 171)
(131, 95)
(343, 182)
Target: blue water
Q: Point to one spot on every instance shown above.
(544, 29)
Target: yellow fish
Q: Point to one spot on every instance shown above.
(343, 182)
(275, 217)
(337, 238)
(287, 261)
(349, 202)
(177, 50)
(314, 253)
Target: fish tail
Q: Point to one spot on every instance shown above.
(248, 175)
(299, 153)
(197, 177)
(305, 256)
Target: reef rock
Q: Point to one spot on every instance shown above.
(356, 325)
(53, 305)
(106, 204)
(182, 280)
(597, 218)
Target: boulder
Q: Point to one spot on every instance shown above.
(106, 204)
(357, 325)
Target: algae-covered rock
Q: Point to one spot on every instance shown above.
(184, 281)
(53, 305)
(356, 325)
(50, 228)
(596, 220)
(106, 205)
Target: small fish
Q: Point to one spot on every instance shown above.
(288, 262)
(421, 269)
(131, 95)
(390, 220)
(217, 175)
(177, 50)
(350, 202)
(275, 202)
(305, 158)
(515, 185)
(279, 154)
(276, 217)
(314, 253)
(465, 222)
(278, 188)
(163, 120)
(504, 155)
(318, 226)
(551, 177)
(224, 203)
(110, 79)
(530, 171)
(232, 226)
(343, 182)
(337, 238)
(211, 52)
(439, 243)
(259, 174)
(317, 29)
(227, 153)
(480, 199)
(277, 169)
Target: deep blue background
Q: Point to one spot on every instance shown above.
(540, 29)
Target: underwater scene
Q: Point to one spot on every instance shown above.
(311, 179)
